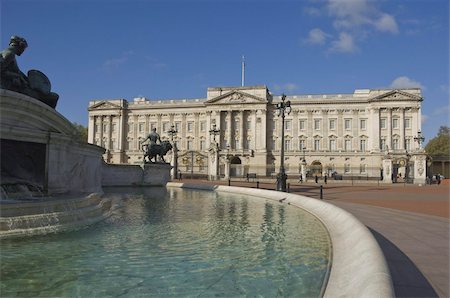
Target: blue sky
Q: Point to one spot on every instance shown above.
(98, 49)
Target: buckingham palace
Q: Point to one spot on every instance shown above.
(367, 134)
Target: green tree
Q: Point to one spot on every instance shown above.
(82, 135)
(440, 145)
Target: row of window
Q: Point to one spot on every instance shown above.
(317, 145)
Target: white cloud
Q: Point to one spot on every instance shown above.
(345, 44)
(287, 87)
(116, 62)
(354, 14)
(317, 36)
(443, 110)
(386, 23)
(312, 11)
(405, 82)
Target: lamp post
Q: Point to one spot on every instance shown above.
(419, 139)
(214, 132)
(172, 133)
(283, 107)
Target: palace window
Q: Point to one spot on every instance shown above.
(332, 124)
(141, 127)
(362, 168)
(114, 127)
(166, 126)
(383, 144)
(395, 123)
(317, 145)
(383, 123)
(247, 144)
(152, 125)
(249, 124)
(202, 126)
(302, 145)
(348, 145)
(178, 126)
(408, 144)
(237, 144)
(395, 144)
(346, 168)
(288, 125)
(104, 127)
(202, 145)
(348, 124)
(190, 145)
(274, 145)
(287, 145)
(190, 126)
(362, 145)
(317, 124)
(302, 125)
(407, 122)
(333, 145)
(362, 124)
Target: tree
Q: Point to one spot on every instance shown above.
(440, 145)
(82, 135)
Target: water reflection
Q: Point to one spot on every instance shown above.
(175, 243)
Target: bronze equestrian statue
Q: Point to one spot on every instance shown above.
(152, 151)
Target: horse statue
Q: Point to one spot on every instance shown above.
(151, 152)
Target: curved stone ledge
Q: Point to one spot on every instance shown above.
(43, 217)
(358, 267)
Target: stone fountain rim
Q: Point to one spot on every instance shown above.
(358, 266)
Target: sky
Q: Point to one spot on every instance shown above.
(110, 49)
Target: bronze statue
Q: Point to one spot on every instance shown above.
(155, 150)
(36, 84)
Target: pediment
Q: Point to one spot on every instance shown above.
(236, 97)
(104, 105)
(397, 95)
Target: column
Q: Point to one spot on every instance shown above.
(229, 127)
(110, 121)
(183, 131)
(402, 129)
(100, 125)
(295, 134)
(255, 137)
(325, 143)
(136, 145)
(263, 132)
(310, 131)
(373, 127)
(91, 130)
(208, 127)
(121, 133)
(389, 128)
(355, 130)
(241, 130)
(196, 142)
(340, 130)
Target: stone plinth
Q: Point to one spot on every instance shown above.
(68, 165)
(157, 174)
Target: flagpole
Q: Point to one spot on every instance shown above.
(243, 71)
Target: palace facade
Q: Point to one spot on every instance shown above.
(342, 135)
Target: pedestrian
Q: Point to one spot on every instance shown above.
(179, 175)
(317, 179)
(438, 179)
(300, 179)
(325, 178)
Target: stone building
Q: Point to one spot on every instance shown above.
(368, 134)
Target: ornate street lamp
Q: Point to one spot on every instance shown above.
(172, 133)
(283, 107)
(214, 132)
(419, 139)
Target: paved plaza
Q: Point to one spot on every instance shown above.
(411, 224)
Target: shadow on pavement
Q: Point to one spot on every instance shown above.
(407, 279)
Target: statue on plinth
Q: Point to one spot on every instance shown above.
(152, 150)
(35, 84)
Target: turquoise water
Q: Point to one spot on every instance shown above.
(175, 243)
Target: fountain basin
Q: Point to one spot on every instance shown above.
(358, 269)
(43, 216)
